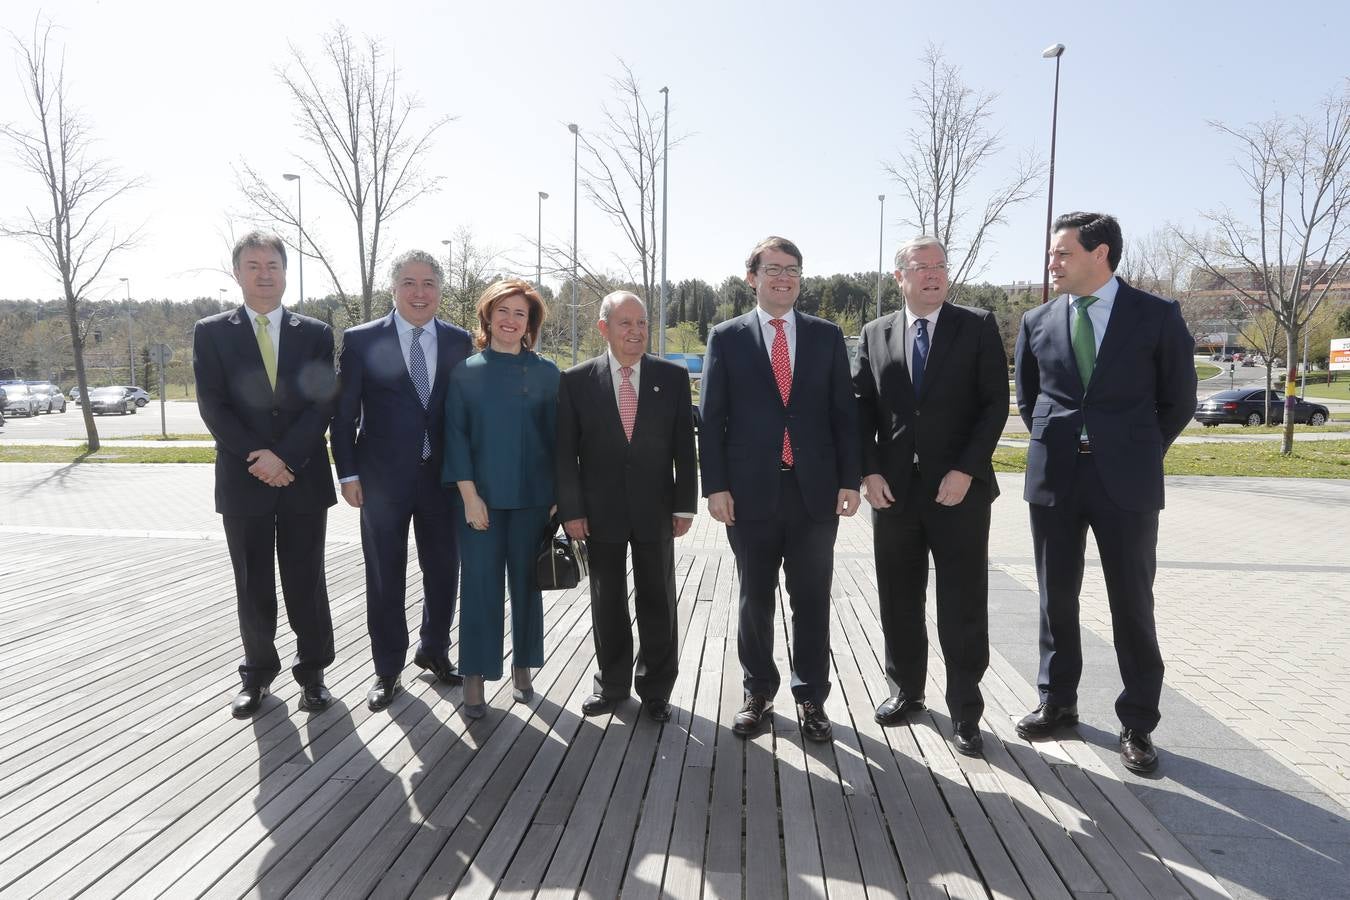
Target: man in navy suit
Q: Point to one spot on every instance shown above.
(388, 443)
(1105, 382)
(265, 391)
(778, 446)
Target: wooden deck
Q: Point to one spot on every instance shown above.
(123, 774)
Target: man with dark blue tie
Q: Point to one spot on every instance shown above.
(932, 386)
(1105, 382)
(778, 446)
(388, 443)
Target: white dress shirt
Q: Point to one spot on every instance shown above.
(405, 339)
(616, 377)
(273, 325)
(769, 333)
(912, 330)
(1099, 313)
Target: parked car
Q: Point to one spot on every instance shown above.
(137, 394)
(75, 395)
(1246, 406)
(106, 400)
(49, 396)
(19, 400)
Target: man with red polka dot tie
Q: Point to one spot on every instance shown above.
(778, 447)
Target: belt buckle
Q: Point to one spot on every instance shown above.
(1084, 446)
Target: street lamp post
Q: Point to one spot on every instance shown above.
(572, 127)
(300, 227)
(665, 205)
(222, 298)
(539, 244)
(131, 349)
(881, 250)
(1055, 51)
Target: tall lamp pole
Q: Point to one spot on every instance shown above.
(1054, 51)
(131, 350)
(222, 298)
(881, 250)
(539, 244)
(665, 197)
(572, 127)
(300, 227)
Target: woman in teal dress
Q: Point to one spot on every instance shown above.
(500, 416)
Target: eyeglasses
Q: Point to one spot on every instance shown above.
(773, 271)
(919, 270)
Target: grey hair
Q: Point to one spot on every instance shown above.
(414, 256)
(614, 298)
(908, 247)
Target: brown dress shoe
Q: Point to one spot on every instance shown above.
(815, 724)
(753, 714)
(1137, 751)
(1044, 719)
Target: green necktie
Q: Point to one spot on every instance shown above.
(269, 355)
(1084, 340)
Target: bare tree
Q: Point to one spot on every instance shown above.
(469, 270)
(70, 230)
(1288, 251)
(941, 159)
(352, 110)
(1262, 331)
(621, 172)
(1159, 262)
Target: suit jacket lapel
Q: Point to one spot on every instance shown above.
(246, 344)
(940, 349)
(288, 349)
(894, 349)
(1124, 314)
(1061, 344)
(405, 379)
(443, 366)
(603, 385)
(755, 337)
(647, 389)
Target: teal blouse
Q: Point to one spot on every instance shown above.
(500, 428)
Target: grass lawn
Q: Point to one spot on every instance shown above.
(1318, 388)
(1206, 370)
(1310, 459)
(80, 454)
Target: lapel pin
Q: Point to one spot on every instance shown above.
(656, 389)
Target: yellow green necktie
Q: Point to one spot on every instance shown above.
(269, 354)
(1084, 340)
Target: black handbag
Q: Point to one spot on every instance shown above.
(561, 562)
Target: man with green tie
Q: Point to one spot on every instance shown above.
(1105, 382)
(265, 388)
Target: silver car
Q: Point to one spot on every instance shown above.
(19, 400)
(112, 400)
(50, 398)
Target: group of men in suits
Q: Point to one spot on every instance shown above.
(789, 432)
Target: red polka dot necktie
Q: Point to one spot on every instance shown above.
(627, 401)
(782, 373)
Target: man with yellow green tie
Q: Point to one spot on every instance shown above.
(1105, 382)
(265, 388)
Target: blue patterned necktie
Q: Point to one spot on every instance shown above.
(417, 368)
(920, 355)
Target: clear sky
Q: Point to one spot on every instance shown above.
(789, 111)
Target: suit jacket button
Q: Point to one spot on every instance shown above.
(276, 412)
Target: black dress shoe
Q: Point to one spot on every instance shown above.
(815, 724)
(383, 692)
(658, 708)
(753, 714)
(967, 740)
(1137, 751)
(440, 666)
(248, 702)
(894, 710)
(1045, 718)
(315, 697)
(599, 704)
